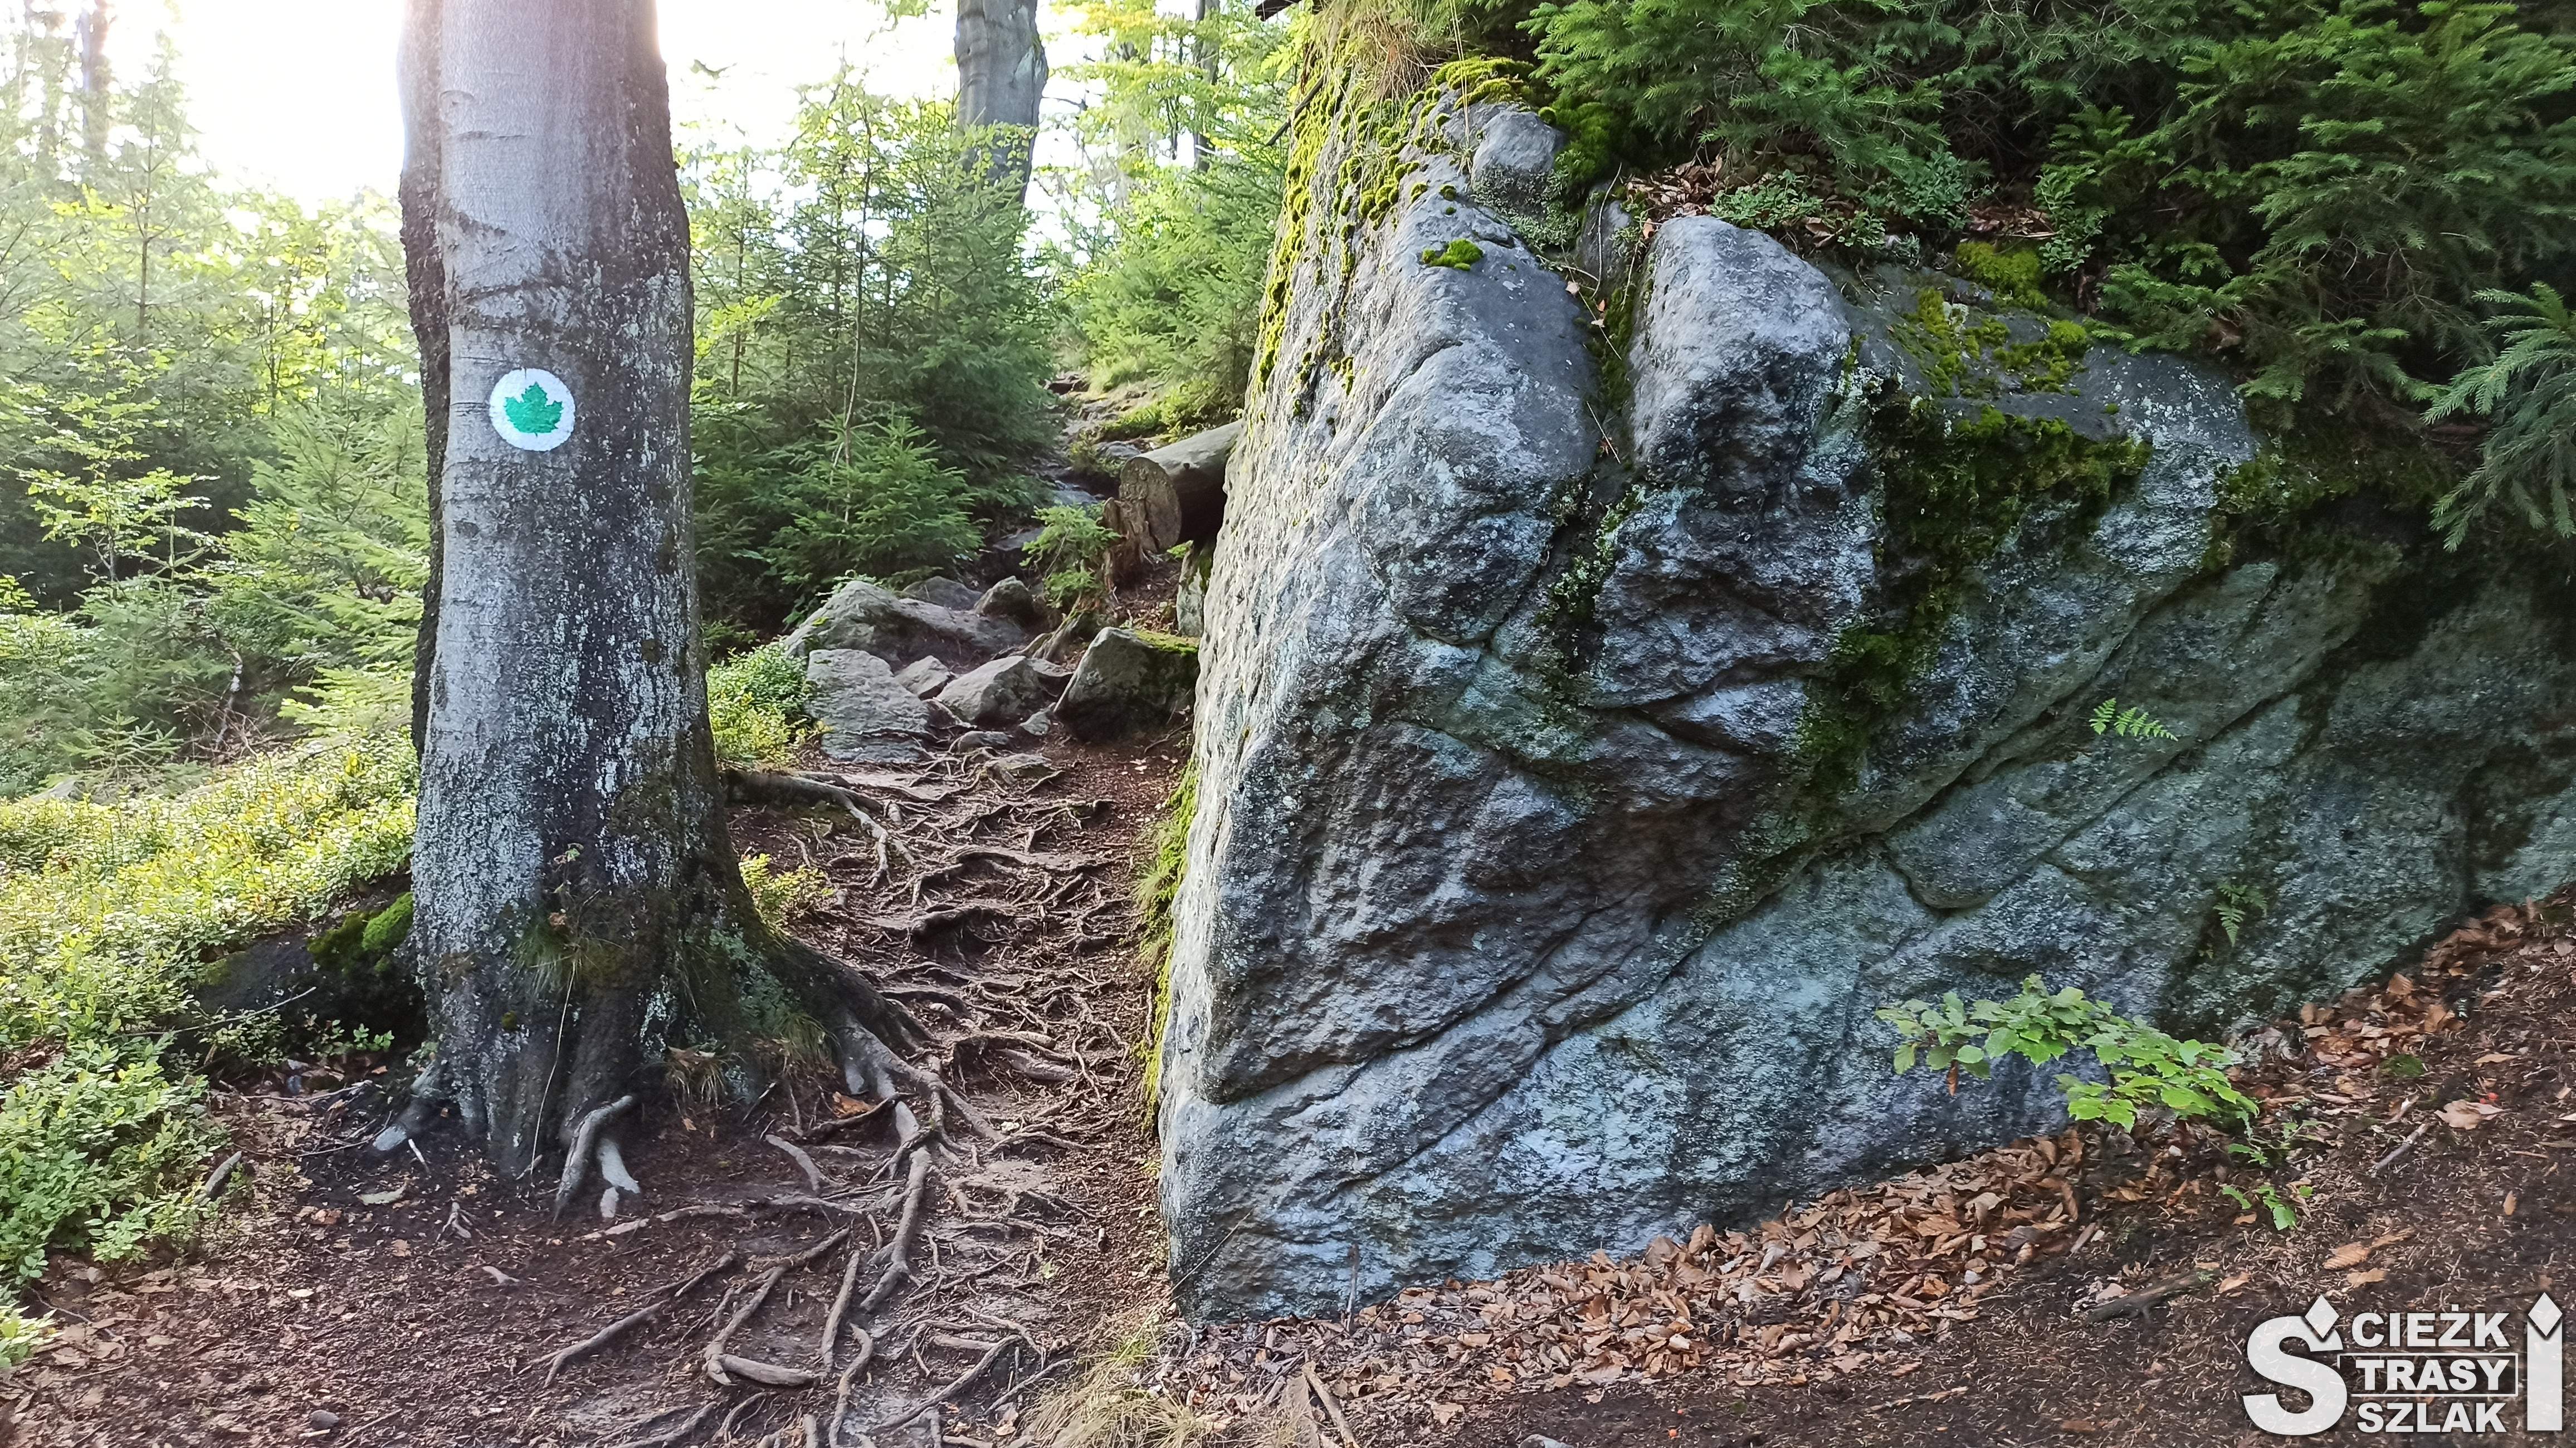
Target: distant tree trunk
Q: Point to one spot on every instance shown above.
(96, 97)
(1202, 148)
(1001, 76)
(577, 899)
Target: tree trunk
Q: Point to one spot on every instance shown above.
(577, 902)
(1204, 50)
(97, 100)
(1001, 78)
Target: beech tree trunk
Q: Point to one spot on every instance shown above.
(1001, 78)
(577, 902)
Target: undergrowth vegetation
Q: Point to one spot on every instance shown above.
(756, 703)
(110, 915)
(2145, 1070)
(2362, 206)
(1186, 163)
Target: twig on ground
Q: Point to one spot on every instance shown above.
(215, 1179)
(2399, 1150)
(696, 1209)
(2139, 1301)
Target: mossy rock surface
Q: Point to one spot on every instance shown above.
(1130, 681)
(1591, 735)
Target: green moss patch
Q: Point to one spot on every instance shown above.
(1156, 888)
(1953, 491)
(1461, 255)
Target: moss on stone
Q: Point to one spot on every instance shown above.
(388, 928)
(2308, 498)
(1460, 255)
(1964, 354)
(2011, 272)
(1952, 491)
(1156, 888)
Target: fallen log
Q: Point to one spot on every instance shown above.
(1176, 493)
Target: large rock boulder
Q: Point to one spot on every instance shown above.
(1012, 600)
(862, 615)
(1128, 683)
(1567, 804)
(1514, 162)
(945, 592)
(1002, 692)
(867, 716)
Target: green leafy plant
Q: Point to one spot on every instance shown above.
(2236, 904)
(2110, 718)
(2147, 1070)
(2529, 388)
(1069, 554)
(108, 913)
(21, 1336)
(756, 705)
(2268, 1199)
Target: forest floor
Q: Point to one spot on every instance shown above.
(358, 1299)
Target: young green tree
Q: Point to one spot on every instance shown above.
(1186, 134)
(865, 278)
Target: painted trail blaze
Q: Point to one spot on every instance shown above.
(534, 413)
(532, 410)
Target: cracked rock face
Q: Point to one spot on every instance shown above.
(1524, 916)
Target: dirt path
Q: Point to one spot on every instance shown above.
(414, 1299)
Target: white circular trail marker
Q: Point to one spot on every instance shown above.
(532, 410)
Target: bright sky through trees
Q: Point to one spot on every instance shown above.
(301, 92)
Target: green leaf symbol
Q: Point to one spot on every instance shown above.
(532, 412)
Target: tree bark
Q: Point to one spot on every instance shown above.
(1001, 78)
(577, 901)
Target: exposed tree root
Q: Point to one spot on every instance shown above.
(969, 862)
(664, 1439)
(612, 1168)
(663, 1300)
(585, 1138)
(898, 1253)
(959, 1384)
(814, 1177)
(760, 786)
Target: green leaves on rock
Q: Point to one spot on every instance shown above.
(2146, 1069)
(533, 412)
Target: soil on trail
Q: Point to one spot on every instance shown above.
(352, 1298)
